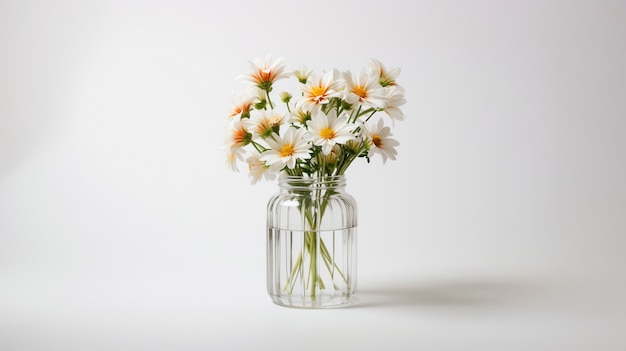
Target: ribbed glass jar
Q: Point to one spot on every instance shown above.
(311, 243)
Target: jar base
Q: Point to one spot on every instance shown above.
(309, 303)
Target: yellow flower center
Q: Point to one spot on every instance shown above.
(318, 93)
(286, 150)
(327, 133)
(377, 140)
(360, 91)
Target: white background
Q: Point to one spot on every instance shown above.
(501, 226)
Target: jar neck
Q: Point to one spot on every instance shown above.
(336, 183)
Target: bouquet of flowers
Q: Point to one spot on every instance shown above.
(333, 118)
(312, 135)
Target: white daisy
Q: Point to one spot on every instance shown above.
(328, 130)
(286, 150)
(243, 102)
(395, 99)
(364, 89)
(386, 77)
(319, 90)
(265, 73)
(300, 115)
(302, 74)
(381, 142)
(264, 123)
(239, 135)
(232, 156)
(259, 169)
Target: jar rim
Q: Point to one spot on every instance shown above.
(307, 177)
(307, 181)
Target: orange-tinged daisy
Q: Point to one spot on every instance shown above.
(265, 72)
(320, 89)
(239, 135)
(243, 103)
(264, 123)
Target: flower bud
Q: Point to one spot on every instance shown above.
(302, 74)
(353, 146)
(285, 97)
(333, 155)
(261, 104)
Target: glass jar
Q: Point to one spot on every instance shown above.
(311, 243)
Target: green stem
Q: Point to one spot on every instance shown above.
(267, 93)
(313, 263)
(328, 260)
(294, 271)
(260, 148)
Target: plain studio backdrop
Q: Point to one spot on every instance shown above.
(501, 225)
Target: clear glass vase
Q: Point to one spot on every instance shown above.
(311, 243)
